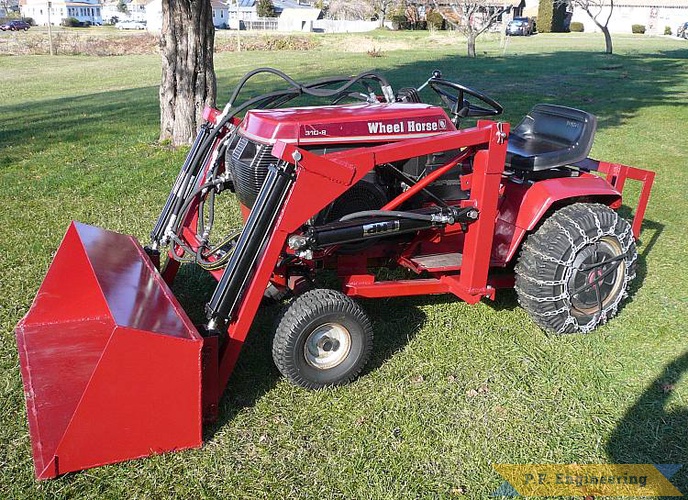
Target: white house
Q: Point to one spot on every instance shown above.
(135, 10)
(84, 10)
(154, 16)
(655, 15)
(299, 16)
(110, 11)
(298, 19)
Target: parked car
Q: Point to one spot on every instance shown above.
(520, 26)
(682, 31)
(15, 26)
(130, 24)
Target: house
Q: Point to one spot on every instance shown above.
(136, 9)
(655, 15)
(299, 15)
(110, 12)
(116, 10)
(298, 18)
(154, 16)
(57, 10)
(220, 13)
(242, 10)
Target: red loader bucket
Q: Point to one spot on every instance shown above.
(111, 364)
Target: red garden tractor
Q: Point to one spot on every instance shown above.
(371, 179)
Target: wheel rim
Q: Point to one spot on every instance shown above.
(598, 276)
(327, 346)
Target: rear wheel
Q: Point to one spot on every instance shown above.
(323, 338)
(574, 271)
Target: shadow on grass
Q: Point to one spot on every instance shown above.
(652, 431)
(395, 322)
(613, 87)
(107, 117)
(255, 373)
(650, 233)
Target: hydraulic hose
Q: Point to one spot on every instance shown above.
(182, 197)
(388, 213)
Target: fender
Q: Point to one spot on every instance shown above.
(523, 207)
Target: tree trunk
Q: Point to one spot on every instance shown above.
(607, 40)
(188, 77)
(471, 44)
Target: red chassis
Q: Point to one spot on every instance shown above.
(507, 214)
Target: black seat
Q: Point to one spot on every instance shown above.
(550, 136)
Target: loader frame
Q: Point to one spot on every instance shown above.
(317, 180)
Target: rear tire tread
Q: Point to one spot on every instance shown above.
(546, 257)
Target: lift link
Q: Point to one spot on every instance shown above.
(337, 233)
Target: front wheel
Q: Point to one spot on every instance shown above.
(574, 270)
(323, 338)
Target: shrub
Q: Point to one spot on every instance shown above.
(70, 22)
(638, 29)
(435, 20)
(32, 21)
(667, 30)
(577, 27)
(375, 52)
(268, 42)
(551, 15)
(399, 22)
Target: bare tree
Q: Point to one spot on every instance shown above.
(381, 8)
(188, 78)
(6, 7)
(350, 9)
(595, 9)
(472, 18)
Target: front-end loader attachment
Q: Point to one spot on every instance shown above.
(111, 364)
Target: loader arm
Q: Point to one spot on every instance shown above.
(300, 186)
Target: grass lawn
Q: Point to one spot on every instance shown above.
(451, 388)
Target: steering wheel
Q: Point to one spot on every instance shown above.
(459, 105)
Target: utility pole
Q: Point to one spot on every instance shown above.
(50, 30)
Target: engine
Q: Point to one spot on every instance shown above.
(335, 128)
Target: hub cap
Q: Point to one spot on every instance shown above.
(598, 276)
(327, 346)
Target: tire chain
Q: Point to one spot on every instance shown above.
(607, 312)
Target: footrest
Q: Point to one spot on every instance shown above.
(439, 262)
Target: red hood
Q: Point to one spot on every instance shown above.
(351, 123)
